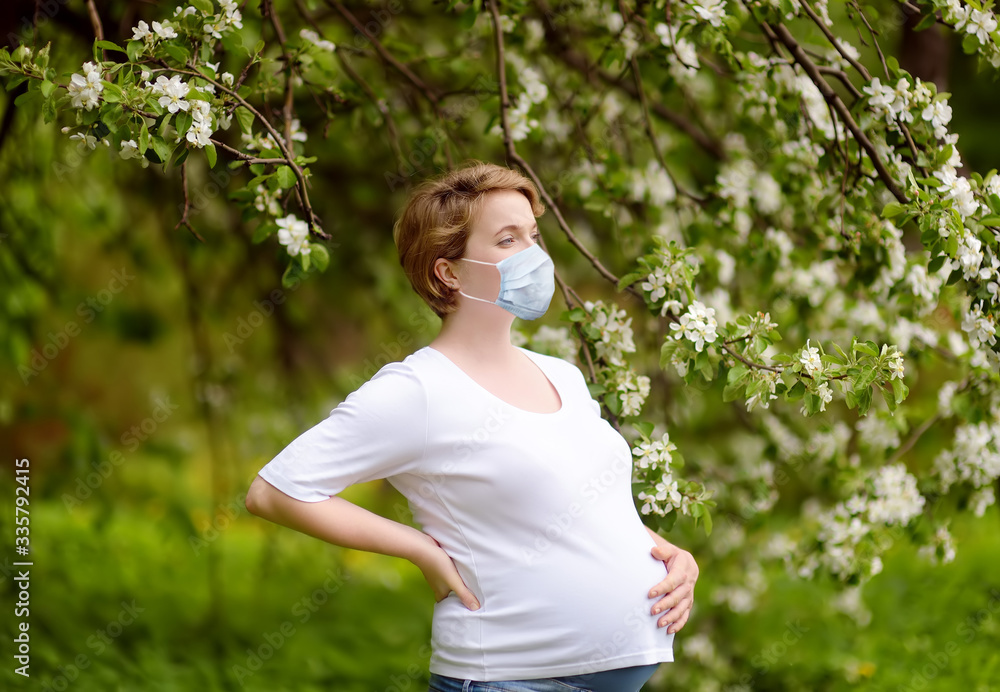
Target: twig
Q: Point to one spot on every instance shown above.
(95, 21)
(242, 156)
(187, 204)
(652, 136)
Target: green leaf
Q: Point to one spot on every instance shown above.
(210, 154)
(994, 200)
(927, 22)
(305, 261)
(866, 349)
(177, 52)
(285, 176)
(645, 429)
(293, 275)
(797, 391)
(143, 138)
(245, 119)
(892, 209)
(899, 389)
(970, 44)
(737, 373)
(182, 123)
(28, 98)
(112, 93)
(263, 232)
(992, 220)
(596, 389)
(49, 110)
(110, 46)
(46, 87)
(133, 48)
(320, 255)
(203, 5)
(708, 522)
(160, 148)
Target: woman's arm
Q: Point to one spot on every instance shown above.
(344, 523)
(678, 587)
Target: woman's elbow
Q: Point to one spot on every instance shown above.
(254, 501)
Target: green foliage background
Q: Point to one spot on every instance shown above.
(166, 529)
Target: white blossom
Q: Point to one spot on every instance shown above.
(172, 92)
(294, 235)
(711, 11)
(85, 89)
(314, 38)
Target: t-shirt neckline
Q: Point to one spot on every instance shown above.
(469, 378)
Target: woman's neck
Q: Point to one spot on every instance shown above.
(475, 334)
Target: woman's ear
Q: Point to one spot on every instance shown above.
(445, 272)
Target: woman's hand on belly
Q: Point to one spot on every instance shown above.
(677, 588)
(442, 575)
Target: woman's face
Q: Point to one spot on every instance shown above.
(504, 227)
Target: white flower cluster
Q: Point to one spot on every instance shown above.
(765, 396)
(981, 499)
(697, 325)
(974, 458)
(267, 200)
(711, 11)
(172, 93)
(314, 38)
(809, 357)
(842, 529)
(230, 17)
(979, 22)
(555, 341)
(535, 91)
(941, 549)
(294, 235)
(654, 183)
(85, 89)
(955, 187)
(266, 141)
(898, 104)
(653, 459)
(896, 499)
(201, 124)
(160, 31)
(740, 180)
(615, 332)
(926, 287)
(130, 150)
(632, 390)
(980, 327)
(683, 60)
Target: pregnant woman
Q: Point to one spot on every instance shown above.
(544, 576)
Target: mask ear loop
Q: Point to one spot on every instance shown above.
(481, 300)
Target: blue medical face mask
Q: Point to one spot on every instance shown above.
(527, 282)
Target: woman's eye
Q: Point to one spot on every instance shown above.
(537, 237)
(506, 240)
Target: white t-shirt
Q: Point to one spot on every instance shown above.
(535, 509)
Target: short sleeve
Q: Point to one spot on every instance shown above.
(378, 431)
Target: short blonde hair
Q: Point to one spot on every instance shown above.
(437, 219)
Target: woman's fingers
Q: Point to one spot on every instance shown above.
(672, 599)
